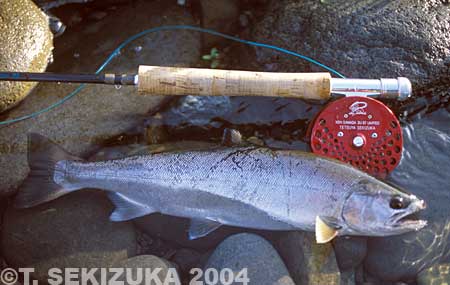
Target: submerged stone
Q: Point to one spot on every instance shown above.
(25, 45)
(436, 275)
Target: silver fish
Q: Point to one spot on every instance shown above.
(247, 187)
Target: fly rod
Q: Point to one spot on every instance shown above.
(159, 80)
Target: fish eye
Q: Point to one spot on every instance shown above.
(397, 203)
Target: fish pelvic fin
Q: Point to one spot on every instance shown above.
(127, 209)
(40, 187)
(325, 230)
(202, 227)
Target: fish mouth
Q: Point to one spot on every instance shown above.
(407, 219)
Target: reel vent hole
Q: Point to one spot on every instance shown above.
(397, 149)
(393, 161)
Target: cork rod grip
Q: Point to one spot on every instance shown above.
(159, 80)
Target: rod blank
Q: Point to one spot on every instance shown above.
(70, 78)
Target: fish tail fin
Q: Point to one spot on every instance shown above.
(40, 186)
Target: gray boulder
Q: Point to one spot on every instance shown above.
(98, 112)
(73, 231)
(251, 253)
(26, 45)
(368, 39)
(134, 271)
(308, 262)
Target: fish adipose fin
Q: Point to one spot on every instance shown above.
(200, 228)
(39, 186)
(326, 229)
(126, 208)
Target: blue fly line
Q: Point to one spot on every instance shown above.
(167, 28)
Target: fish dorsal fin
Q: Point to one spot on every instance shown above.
(231, 137)
(126, 208)
(325, 231)
(202, 227)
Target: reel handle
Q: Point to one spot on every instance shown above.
(158, 80)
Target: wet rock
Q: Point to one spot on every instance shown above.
(49, 4)
(435, 275)
(350, 251)
(186, 259)
(200, 110)
(307, 261)
(26, 42)
(271, 118)
(361, 39)
(72, 231)
(219, 15)
(423, 171)
(262, 262)
(147, 245)
(56, 26)
(98, 112)
(348, 277)
(135, 274)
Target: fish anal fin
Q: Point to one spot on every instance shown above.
(126, 208)
(202, 227)
(326, 229)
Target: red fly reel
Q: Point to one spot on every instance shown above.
(360, 131)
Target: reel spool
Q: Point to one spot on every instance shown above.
(360, 131)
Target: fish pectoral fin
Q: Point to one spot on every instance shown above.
(202, 227)
(126, 208)
(326, 229)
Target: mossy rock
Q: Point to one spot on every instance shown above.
(26, 44)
